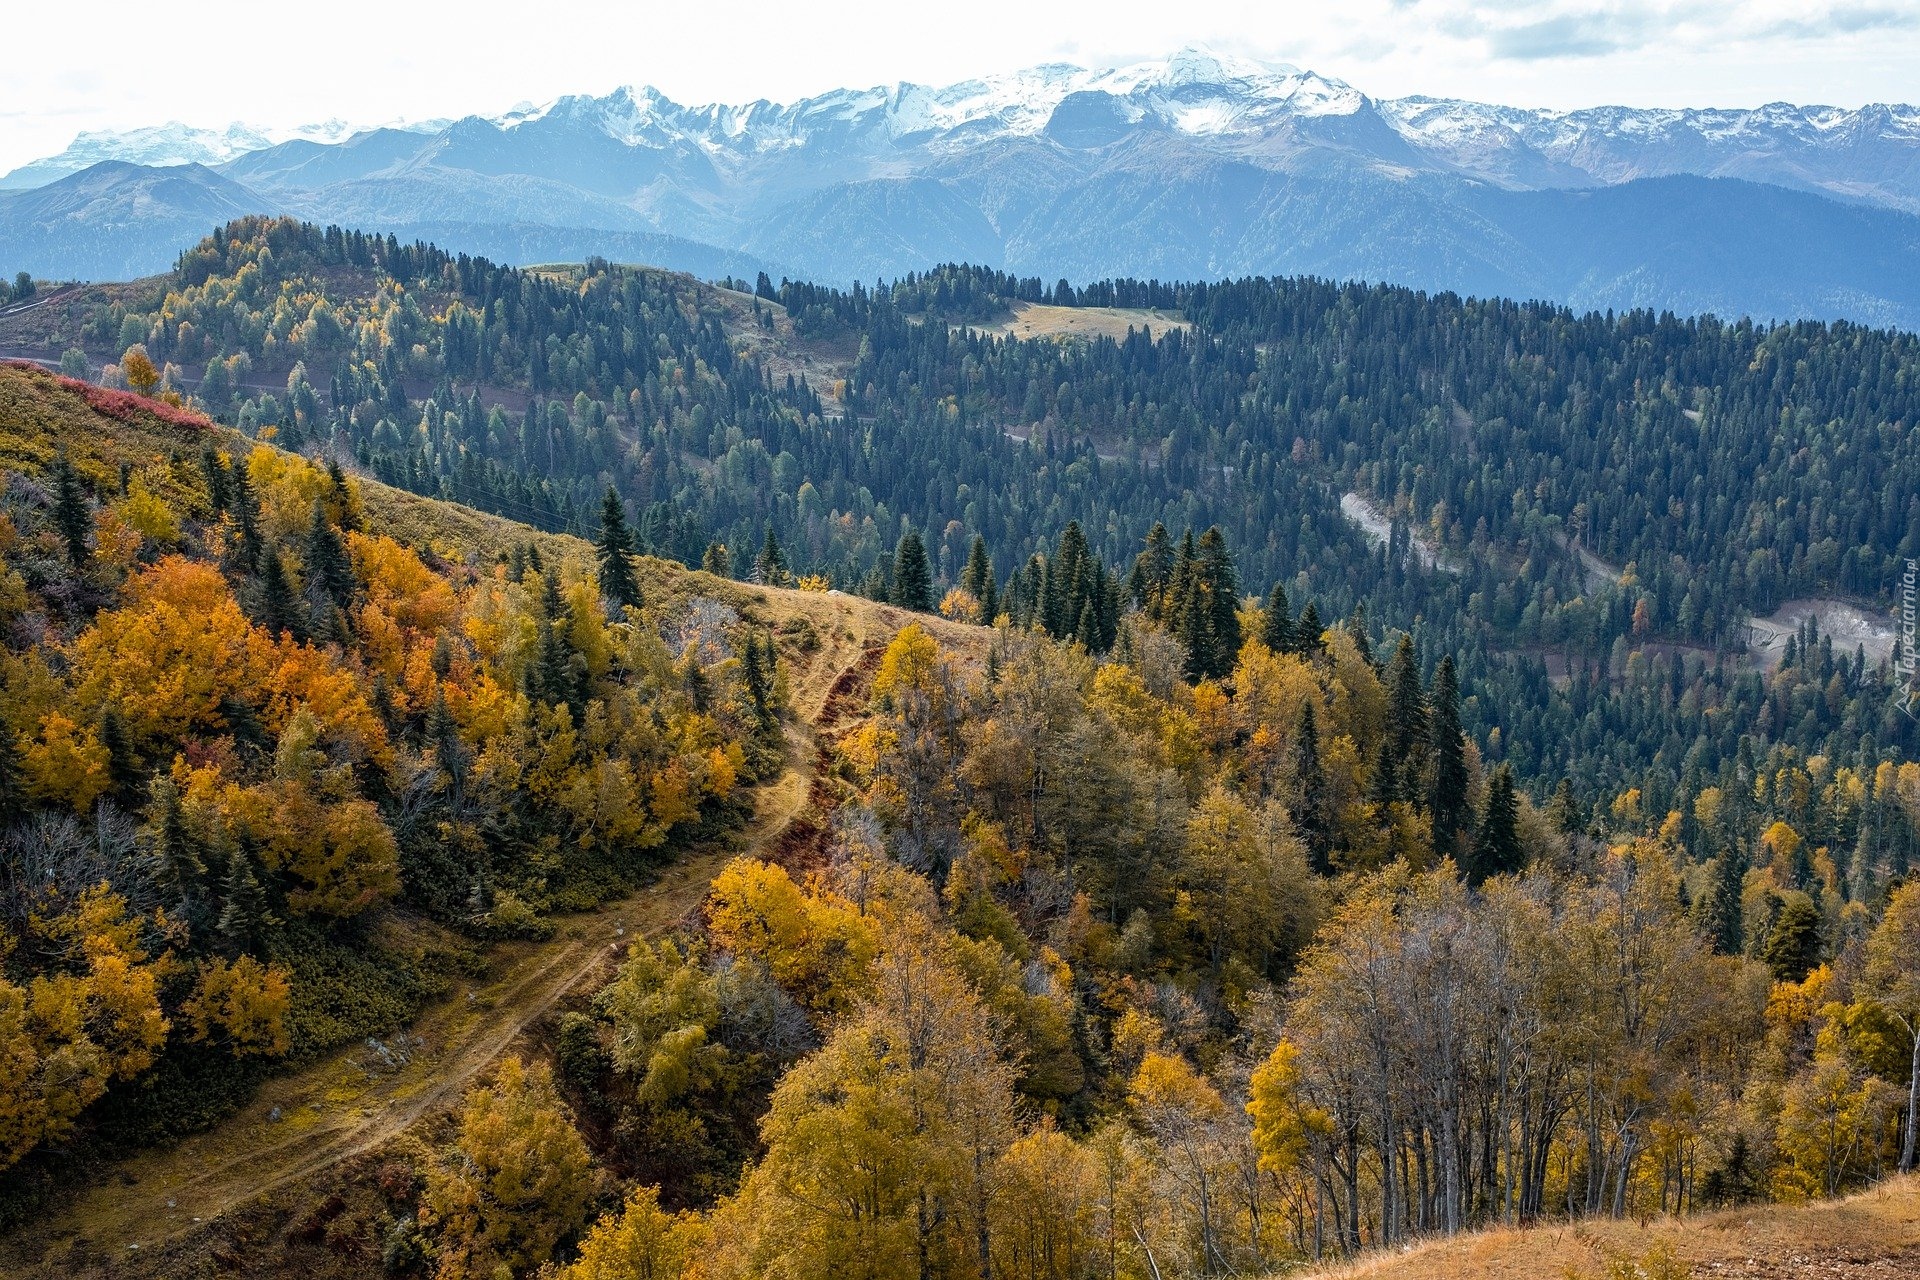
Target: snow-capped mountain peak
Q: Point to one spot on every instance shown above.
(1195, 90)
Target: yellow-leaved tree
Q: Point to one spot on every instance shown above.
(884, 1148)
(515, 1182)
(66, 1034)
(641, 1242)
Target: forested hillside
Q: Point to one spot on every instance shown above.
(1560, 492)
(239, 718)
(1101, 972)
(1257, 889)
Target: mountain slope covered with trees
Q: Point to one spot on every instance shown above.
(241, 719)
(1238, 884)
(1711, 471)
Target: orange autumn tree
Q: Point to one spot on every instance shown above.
(256, 713)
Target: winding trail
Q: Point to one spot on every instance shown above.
(357, 1099)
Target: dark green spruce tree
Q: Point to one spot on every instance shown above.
(912, 576)
(1406, 720)
(1725, 925)
(1307, 631)
(1447, 800)
(123, 767)
(1276, 623)
(617, 580)
(550, 677)
(245, 508)
(1793, 944)
(1312, 816)
(1497, 850)
(70, 514)
(771, 564)
(13, 784)
(1152, 572)
(1222, 586)
(977, 580)
(245, 914)
(279, 606)
(329, 571)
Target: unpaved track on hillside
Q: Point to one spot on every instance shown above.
(351, 1103)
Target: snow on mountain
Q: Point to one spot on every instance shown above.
(175, 143)
(1269, 114)
(1194, 91)
(1872, 153)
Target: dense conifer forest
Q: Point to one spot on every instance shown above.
(1559, 492)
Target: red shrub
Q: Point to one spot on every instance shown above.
(118, 405)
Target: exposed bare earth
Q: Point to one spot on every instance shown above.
(1848, 624)
(1378, 529)
(1874, 1234)
(305, 1124)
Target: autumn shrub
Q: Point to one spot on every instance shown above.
(190, 1088)
(343, 990)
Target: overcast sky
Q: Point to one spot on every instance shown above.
(113, 64)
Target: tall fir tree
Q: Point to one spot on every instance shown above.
(1307, 631)
(1496, 849)
(771, 565)
(1276, 623)
(1357, 629)
(1152, 572)
(1725, 924)
(1190, 626)
(617, 580)
(279, 606)
(912, 575)
(757, 664)
(1222, 586)
(550, 676)
(1447, 799)
(442, 733)
(245, 507)
(13, 783)
(180, 863)
(70, 514)
(1563, 811)
(1178, 588)
(1406, 720)
(1069, 580)
(1383, 788)
(977, 580)
(328, 569)
(1793, 944)
(215, 473)
(1312, 816)
(342, 498)
(123, 767)
(245, 915)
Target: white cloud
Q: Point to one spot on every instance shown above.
(134, 64)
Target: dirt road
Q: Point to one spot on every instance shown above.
(360, 1098)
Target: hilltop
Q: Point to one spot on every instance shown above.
(1872, 1233)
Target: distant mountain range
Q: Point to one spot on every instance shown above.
(1194, 166)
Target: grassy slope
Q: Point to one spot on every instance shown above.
(1043, 320)
(1873, 1234)
(243, 1195)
